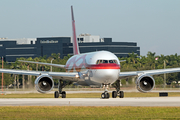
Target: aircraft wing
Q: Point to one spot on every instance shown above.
(58, 75)
(41, 63)
(148, 72)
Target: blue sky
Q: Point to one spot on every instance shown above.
(153, 24)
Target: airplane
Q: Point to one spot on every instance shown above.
(100, 68)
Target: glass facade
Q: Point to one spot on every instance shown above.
(10, 50)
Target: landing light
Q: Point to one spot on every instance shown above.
(77, 76)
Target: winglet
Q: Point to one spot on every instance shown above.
(75, 43)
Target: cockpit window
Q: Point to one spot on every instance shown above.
(106, 61)
(111, 61)
(99, 61)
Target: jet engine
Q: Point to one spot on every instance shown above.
(145, 83)
(44, 83)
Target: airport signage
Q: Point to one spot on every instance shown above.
(48, 41)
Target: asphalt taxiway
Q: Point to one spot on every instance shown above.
(139, 101)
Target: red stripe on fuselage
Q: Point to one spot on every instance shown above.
(96, 67)
(104, 66)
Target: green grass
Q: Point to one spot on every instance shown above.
(87, 95)
(74, 112)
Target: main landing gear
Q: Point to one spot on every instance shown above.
(61, 93)
(117, 92)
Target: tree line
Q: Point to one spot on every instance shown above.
(133, 63)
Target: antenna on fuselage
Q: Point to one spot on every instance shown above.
(74, 39)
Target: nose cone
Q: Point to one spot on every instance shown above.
(109, 74)
(106, 76)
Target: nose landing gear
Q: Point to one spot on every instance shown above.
(117, 92)
(105, 94)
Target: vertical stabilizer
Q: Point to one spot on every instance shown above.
(74, 39)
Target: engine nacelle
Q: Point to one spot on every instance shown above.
(145, 83)
(44, 83)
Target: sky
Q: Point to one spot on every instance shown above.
(153, 24)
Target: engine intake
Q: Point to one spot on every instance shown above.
(44, 83)
(145, 83)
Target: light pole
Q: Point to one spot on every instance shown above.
(51, 63)
(164, 74)
(2, 76)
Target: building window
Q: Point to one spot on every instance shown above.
(81, 39)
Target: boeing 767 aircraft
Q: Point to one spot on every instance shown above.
(94, 68)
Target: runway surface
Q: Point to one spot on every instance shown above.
(146, 101)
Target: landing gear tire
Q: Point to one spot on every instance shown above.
(121, 94)
(63, 94)
(114, 94)
(105, 95)
(56, 94)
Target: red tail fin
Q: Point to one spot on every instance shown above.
(75, 43)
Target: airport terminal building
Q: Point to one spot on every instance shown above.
(11, 49)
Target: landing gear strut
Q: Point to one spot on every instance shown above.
(61, 93)
(105, 94)
(117, 92)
